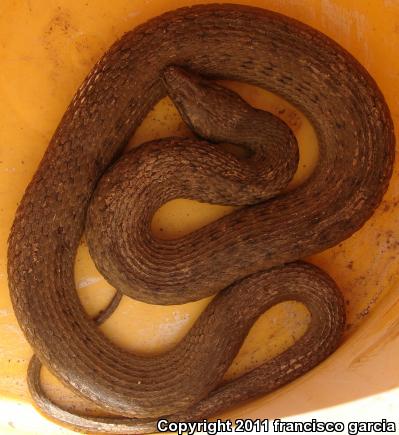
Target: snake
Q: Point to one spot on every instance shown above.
(249, 259)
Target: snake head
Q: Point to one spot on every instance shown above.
(210, 110)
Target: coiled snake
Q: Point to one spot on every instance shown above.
(249, 253)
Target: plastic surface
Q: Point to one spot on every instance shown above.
(46, 49)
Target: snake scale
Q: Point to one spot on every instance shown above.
(252, 254)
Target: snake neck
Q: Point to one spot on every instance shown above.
(221, 116)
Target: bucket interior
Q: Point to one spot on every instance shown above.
(46, 52)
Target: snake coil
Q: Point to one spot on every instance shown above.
(252, 253)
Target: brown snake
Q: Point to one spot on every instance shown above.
(249, 253)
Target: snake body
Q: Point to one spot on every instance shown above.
(251, 253)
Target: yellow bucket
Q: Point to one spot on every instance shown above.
(46, 50)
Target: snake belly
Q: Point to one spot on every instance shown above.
(241, 252)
